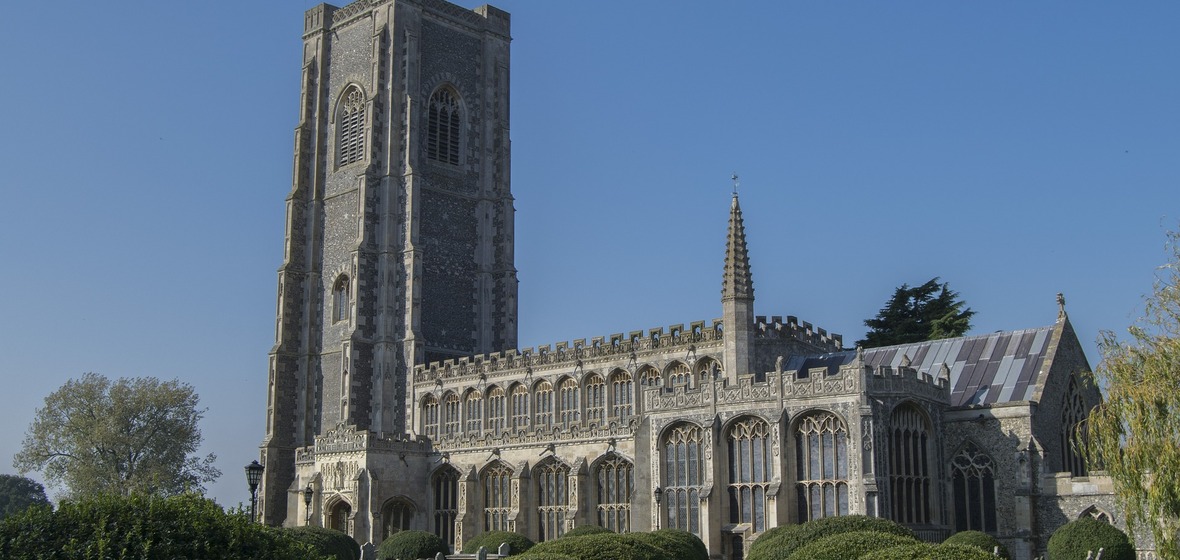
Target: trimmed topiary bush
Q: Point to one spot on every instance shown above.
(327, 542)
(603, 546)
(185, 526)
(411, 545)
(914, 551)
(583, 530)
(517, 542)
(953, 551)
(980, 540)
(780, 542)
(681, 545)
(1072, 540)
(843, 546)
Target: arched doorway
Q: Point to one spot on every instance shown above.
(338, 516)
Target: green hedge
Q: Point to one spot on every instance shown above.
(411, 545)
(1074, 539)
(681, 545)
(780, 542)
(111, 527)
(604, 546)
(517, 542)
(953, 551)
(843, 546)
(530, 555)
(978, 539)
(327, 542)
(915, 551)
(583, 530)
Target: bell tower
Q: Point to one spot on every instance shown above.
(399, 224)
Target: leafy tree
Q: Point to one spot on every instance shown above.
(1135, 432)
(916, 314)
(132, 435)
(18, 493)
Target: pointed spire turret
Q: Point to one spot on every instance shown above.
(737, 281)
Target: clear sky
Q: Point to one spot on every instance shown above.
(1015, 149)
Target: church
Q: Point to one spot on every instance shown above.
(398, 398)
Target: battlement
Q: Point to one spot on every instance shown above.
(798, 330)
(484, 17)
(908, 381)
(571, 353)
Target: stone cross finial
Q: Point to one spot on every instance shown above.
(1060, 305)
(735, 183)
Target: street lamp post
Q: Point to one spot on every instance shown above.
(308, 494)
(657, 494)
(253, 477)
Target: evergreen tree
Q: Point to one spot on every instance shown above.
(1135, 432)
(927, 312)
(18, 493)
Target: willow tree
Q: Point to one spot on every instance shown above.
(1135, 432)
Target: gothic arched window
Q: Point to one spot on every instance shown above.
(445, 485)
(571, 403)
(595, 398)
(350, 127)
(450, 415)
(677, 375)
(616, 483)
(430, 417)
(1073, 430)
(649, 377)
(543, 404)
(442, 126)
(473, 412)
(341, 303)
(520, 407)
(684, 475)
(622, 394)
(552, 498)
(749, 472)
(396, 516)
(496, 409)
(973, 483)
(821, 465)
(497, 496)
(909, 465)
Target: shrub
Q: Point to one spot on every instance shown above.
(517, 542)
(780, 542)
(681, 545)
(1072, 540)
(583, 530)
(954, 551)
(914, 551)
(184, 526)
(603, 546)
(327, 542)
(843, 546)
(411, 545)
(980, 540)
(545, 556)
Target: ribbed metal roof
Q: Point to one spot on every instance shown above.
(985, 369)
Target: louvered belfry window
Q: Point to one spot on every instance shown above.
(350, 127)
(442, 127)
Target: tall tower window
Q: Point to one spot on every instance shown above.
(350, 127)
(973, 481)
(341, 303)
(520, 407)
(1073, 430)
(442, 126)
(595, 398)
(683, 477)
(552, 498)
(497, 496)
(909, 465)
(496, 409)
(749, 472)
(616, 483)
(445, 485)
(622, 394)
(570, 402)
(821, 465)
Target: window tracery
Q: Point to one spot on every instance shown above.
(430, 417)
(451, 415)
(497, 488)
(543, 405)
(474, 412)
(683, 477)
(445, 486)
(821, 464)
(520, 407)
(341, 302)
(909, 466)
(973, 483)
(350, 127)
(595, 399)
(622, 394)
(1073, 430)
(552, 498)
(616, 484)
(396, 516)
(749, 472)
(649, 377)
(570, 409)
(442, 126)
(678, 375)
(496, 409)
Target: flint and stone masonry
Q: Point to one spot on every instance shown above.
(398, 396)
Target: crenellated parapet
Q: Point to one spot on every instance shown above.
(793, 328)
(347, 438)
(636, 344)
(909, 382)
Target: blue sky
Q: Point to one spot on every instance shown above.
(1015, 149)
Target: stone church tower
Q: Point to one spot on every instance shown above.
(399, 235)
